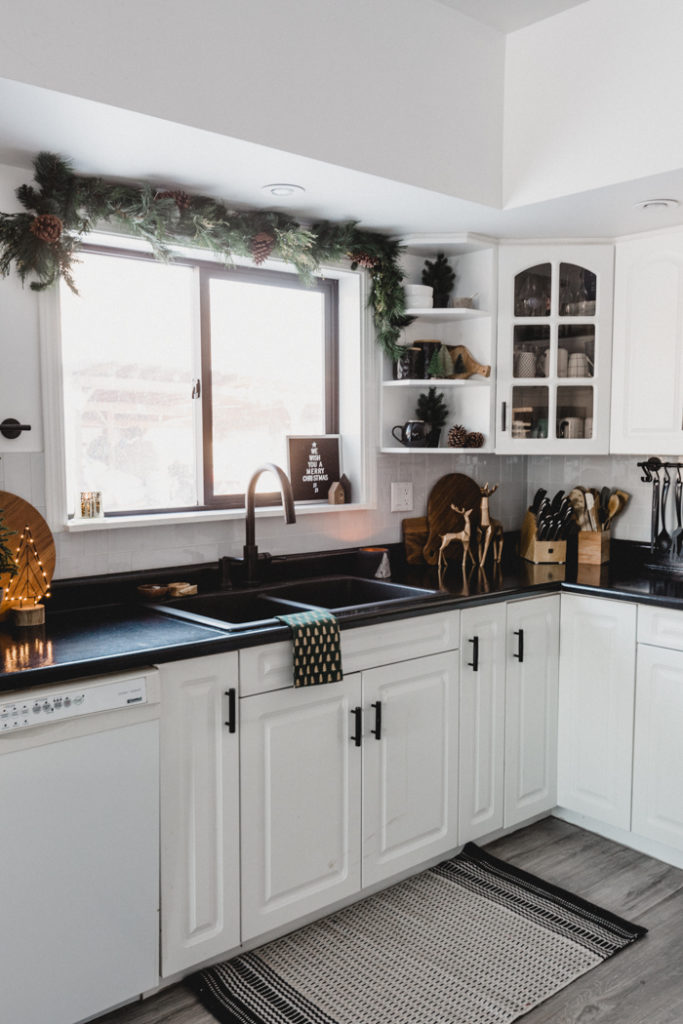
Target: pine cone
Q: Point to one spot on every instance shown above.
(457, 436)
(363, 259)
(47, 228)
(261, 246)
(474, 440)
(182, 199)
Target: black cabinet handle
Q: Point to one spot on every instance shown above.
(519, 633)
(11, 428)
(474, 664)
(503, 416)
(357, 714)
(377, 731)
(232, 707)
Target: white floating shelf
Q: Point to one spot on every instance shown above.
(406, 450)
(447, 316)
(442, 382)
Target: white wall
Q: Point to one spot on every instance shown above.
(405, 90)
(593, 96)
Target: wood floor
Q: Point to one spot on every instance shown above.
(641, 985)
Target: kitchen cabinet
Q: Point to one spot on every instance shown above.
(469, 401)
(508, 714)
(647, 367)
(311, 759)
(531, 682)
(597, 687)
(200, 868)
(554, 348)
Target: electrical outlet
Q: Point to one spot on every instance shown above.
(402, 497)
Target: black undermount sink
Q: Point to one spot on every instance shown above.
(255, 609)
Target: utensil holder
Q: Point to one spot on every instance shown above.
(540, 551)
(594, 546)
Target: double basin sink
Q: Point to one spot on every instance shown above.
(258, 608)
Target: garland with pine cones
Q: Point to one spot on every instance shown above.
(62, 207)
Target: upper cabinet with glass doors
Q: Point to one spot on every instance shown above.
(554, 348)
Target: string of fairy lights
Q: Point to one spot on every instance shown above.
(31, 582)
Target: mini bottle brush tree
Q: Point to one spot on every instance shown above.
(440, 275)
(432, 409)
(29, 581)
(7, 563)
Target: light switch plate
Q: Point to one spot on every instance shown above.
(401, 497)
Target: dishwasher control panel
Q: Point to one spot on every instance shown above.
(71, 701)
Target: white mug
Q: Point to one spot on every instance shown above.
(578, 365)
(571, 426)
(562, 357)
(588, 426)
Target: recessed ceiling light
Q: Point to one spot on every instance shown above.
(657, 204)
(282, 189)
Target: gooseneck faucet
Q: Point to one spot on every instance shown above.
(250, 549)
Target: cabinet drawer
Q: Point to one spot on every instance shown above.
(662, 627)
(267, 668)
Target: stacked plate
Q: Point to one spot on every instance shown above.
(419, 296)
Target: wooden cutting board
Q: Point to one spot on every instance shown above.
(17, 514)
(415, 533)
(453, 489)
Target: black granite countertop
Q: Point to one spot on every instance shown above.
(82, 637)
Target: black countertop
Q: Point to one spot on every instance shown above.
(100, 638)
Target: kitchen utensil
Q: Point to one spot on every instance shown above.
(590, 504)
(412, 434)
(677, 534)
(452, 489)
(538, 498)
(663, 541)
(613, 508)
(577, 497)
(556, 502)
(654, 521)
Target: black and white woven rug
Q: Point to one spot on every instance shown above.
(471, 941)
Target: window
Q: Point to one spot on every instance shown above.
(181, 378)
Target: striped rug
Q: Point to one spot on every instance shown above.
(471, 941)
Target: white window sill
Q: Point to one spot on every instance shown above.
(204, 516)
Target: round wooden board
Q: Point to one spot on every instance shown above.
(16, 514)
(452, 489)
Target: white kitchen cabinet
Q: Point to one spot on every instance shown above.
(597, 685)
(531, 682)
(647, 362)
(482, 719)
(658, 746)
(200, 869)
(410, 770)
(554, 348)
(469, 401)
(300, 778)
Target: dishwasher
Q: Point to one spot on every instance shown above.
(79, 847)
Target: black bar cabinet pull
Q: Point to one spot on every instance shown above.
(377, 731)
(519, 633)
(357, 715)
(474, 664)
(503, 415)
(232, 706)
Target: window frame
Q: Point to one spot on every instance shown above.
(206, 270)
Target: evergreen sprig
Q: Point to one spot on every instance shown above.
(156, 216)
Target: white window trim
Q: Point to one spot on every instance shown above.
(358, 424)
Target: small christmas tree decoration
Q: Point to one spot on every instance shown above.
(439, 274)
(432, 409)
(29, 584)
(474, 440)
(47, 227)
(261, 247)
(456, 436)
(441, 364)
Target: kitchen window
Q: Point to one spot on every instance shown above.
(180, 378)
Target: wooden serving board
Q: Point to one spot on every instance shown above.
(452, 489)
(415, 533)
(471, 366)
(17, 514)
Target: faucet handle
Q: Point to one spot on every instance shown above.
(224, 574)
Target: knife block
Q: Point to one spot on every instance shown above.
(594, 547)
(540, 551)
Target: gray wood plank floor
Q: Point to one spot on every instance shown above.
(641, 985)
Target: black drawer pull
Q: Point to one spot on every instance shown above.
(232, 707)
(377, 731)
(519, 633)
(358, 725)
(474, 664)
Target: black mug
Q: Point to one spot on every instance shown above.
(412, 433)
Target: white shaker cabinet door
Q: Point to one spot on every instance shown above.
(658, 753)
(410, 771)
(647, 359)
(300, 785)
(482, 720)
(597, 678)
(531, 708)
(200, 877)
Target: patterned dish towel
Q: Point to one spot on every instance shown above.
(316, 647)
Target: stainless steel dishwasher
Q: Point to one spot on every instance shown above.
(79, 847)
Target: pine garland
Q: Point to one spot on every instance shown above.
(42, 243)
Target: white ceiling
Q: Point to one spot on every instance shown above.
(508, 15)
(105, 140)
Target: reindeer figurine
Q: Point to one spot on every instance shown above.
(489, 531)
(463, 536)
